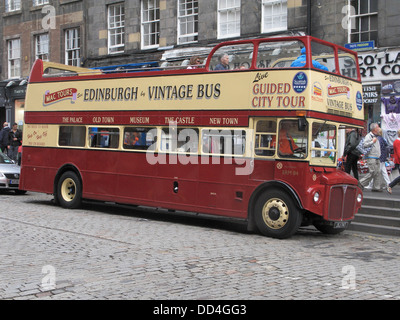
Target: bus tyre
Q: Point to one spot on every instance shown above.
(69, 190)
(276, 214)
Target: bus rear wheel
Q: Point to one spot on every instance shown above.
(69, 190)
(276, 214)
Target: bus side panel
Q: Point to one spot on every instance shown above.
(100, 173)
(176, 182)
(135, 178)
(36, 175)
(221, 186)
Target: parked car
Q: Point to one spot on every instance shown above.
(9, 174)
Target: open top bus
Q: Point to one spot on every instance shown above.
(256, 141)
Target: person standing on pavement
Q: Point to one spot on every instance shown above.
(374, 173)
(382, 159)
(15, 137)
(351, 154)
(4, 138)
(396, 148)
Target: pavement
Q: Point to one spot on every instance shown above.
(384, 194)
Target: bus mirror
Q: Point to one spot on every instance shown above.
(302, 124)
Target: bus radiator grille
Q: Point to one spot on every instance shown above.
(342, 202)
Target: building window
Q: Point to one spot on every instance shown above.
(40, 2)
(14, 58)
(364, 22)
(72, 47)
(42, 47)
(116, 28)
(13, 5)
(188, 17)
(228, 18)
(274, 15)
(150, 23)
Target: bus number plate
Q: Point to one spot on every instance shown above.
(340, 224)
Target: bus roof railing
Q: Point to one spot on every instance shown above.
(50, 69)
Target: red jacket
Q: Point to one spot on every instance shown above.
(396, 147)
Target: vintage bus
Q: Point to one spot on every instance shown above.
(256, 139)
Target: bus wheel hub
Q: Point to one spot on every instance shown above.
(275, 213)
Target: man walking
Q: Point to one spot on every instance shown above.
(4, 139)
(372, 159)
(15, 137)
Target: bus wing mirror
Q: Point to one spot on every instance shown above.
(302, 124)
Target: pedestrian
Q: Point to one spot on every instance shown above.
(351, 154)
(15, 138)
(382, 159)
(396, 151)
(4, 138)
(374, 168)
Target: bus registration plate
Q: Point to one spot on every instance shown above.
(340, 224)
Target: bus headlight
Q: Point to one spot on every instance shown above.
(359, 198)
(316, 197)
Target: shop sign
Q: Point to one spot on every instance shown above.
(361, 46)
(380, 66)
(371, 94)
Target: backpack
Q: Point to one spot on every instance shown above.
(360, 148)
(351, 144)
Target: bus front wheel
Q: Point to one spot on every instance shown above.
(276, 214)
(69, 190)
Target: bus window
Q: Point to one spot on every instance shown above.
(292, 143)
(347, 65)
(72, 136)
(323, 143)
(265, 141)
(232, 57)
(139, 138)
(104, 137)
(323, 56)
(279, 54)
(180, 140)
(224, 142)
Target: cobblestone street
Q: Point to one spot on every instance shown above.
(105, 251)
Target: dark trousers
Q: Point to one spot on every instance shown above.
(351, 164)
(397, 180)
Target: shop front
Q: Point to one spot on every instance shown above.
(380, 71)
(12, 101)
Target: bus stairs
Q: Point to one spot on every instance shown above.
(379, 213)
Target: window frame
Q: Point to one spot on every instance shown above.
(283, 15)
(37, 3)
(190, 20)
(357, 20)
(116, 28)
(12, 5)
(14, 69)
(42, 46)
(154, 24)
(74, 50)
(226, 12)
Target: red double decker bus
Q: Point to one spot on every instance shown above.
(255, 139)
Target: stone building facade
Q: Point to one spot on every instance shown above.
(96, 33)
